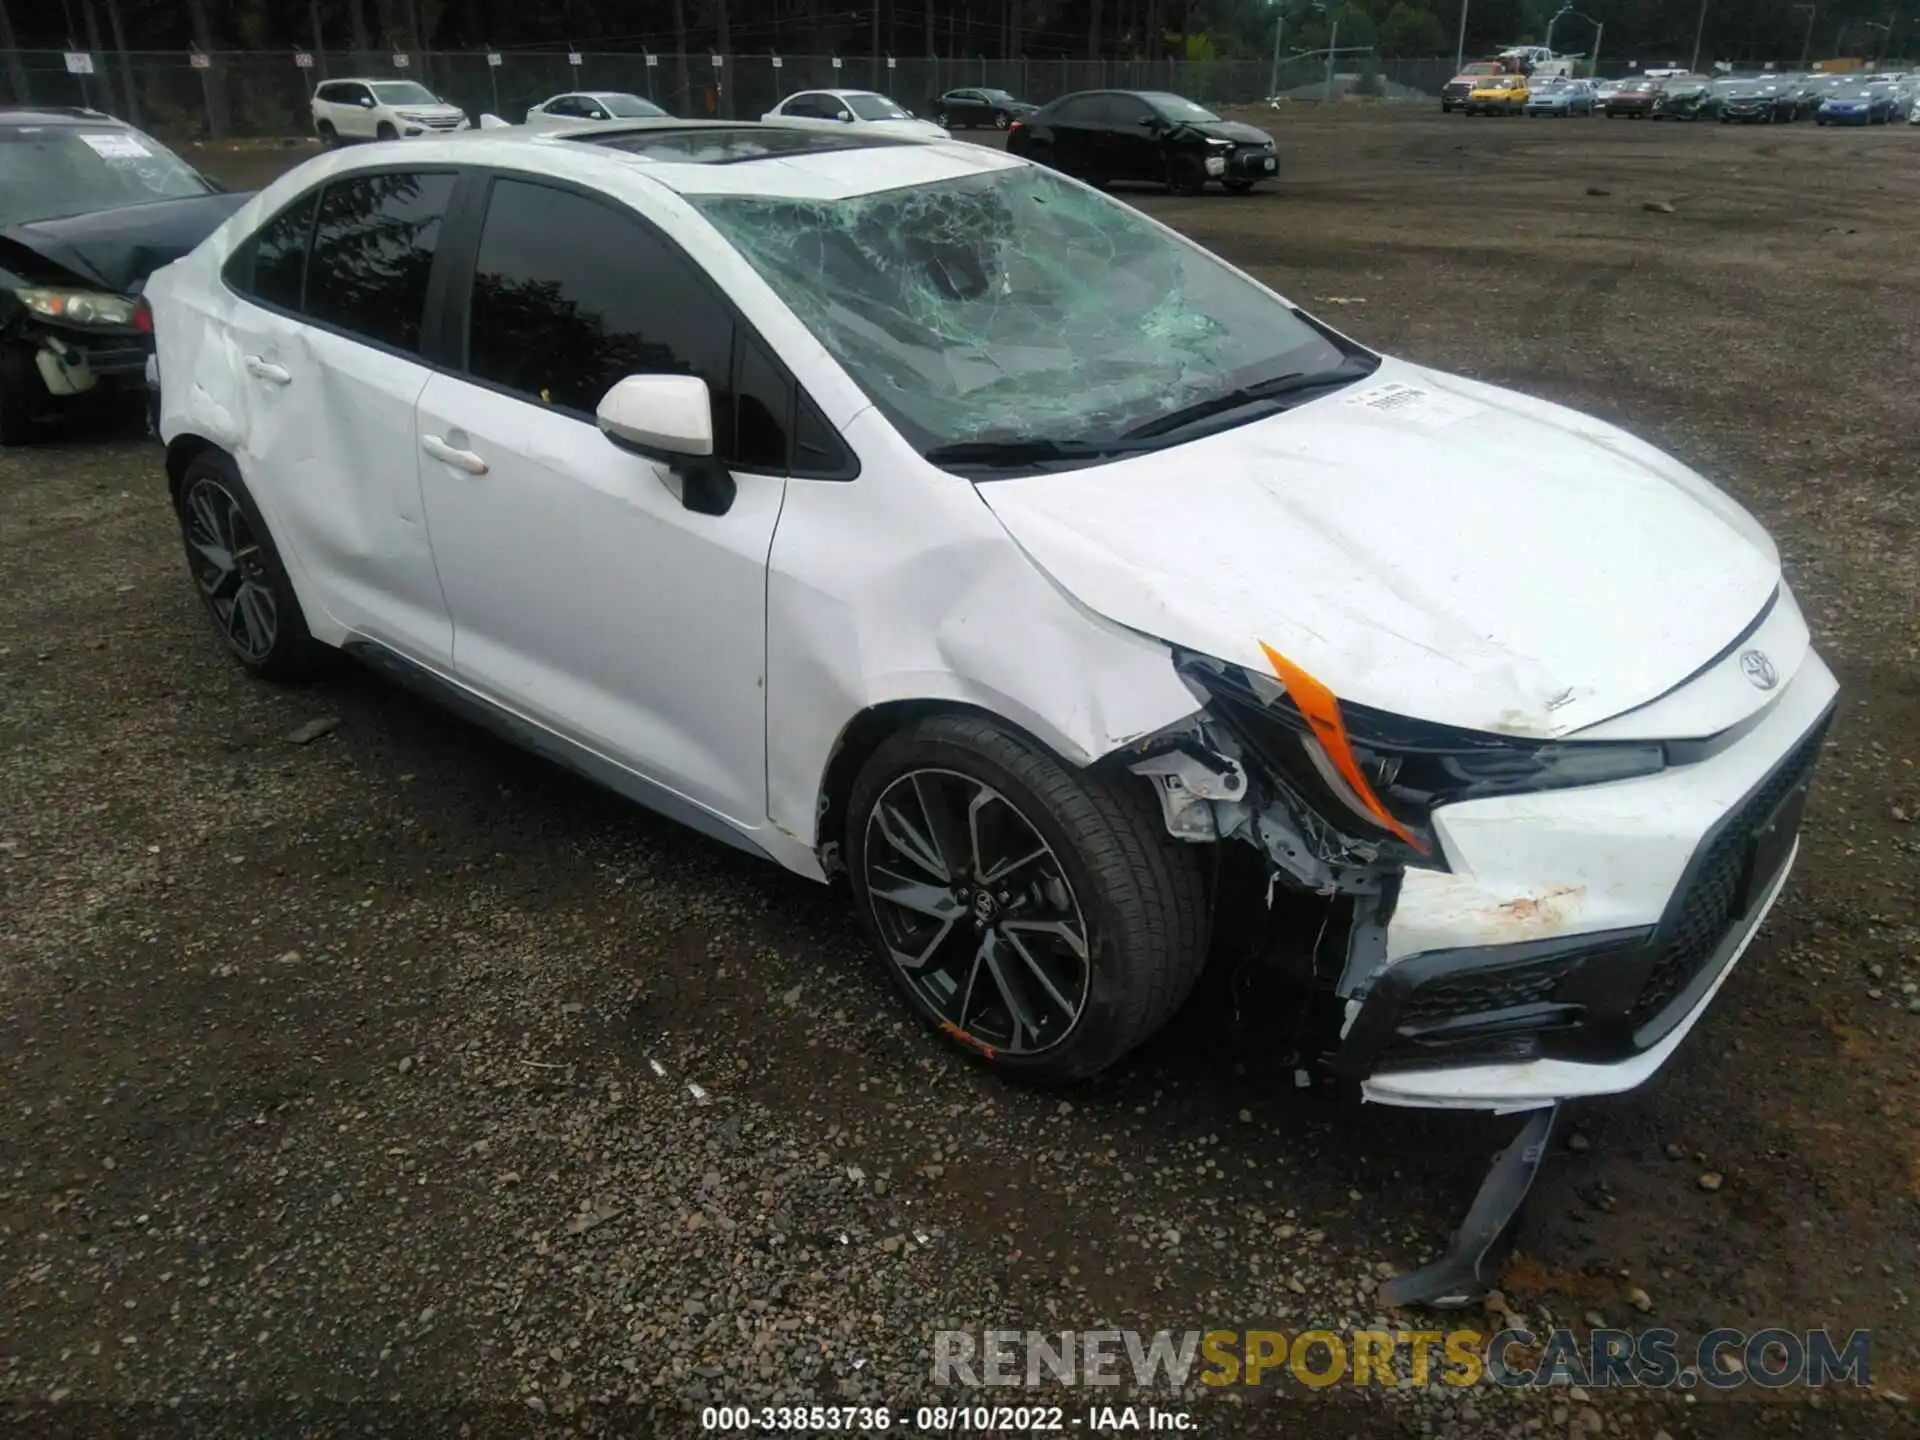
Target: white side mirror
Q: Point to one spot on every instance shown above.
(662, 415)
(845, 116)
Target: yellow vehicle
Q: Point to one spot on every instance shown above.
(1497, 95)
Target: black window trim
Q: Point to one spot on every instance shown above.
(451, 282)
(317, 192)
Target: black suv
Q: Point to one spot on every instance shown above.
(89, 207)
(1102, 135)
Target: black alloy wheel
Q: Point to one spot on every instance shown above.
(976, 911)
(1038, 914)
(240, 576)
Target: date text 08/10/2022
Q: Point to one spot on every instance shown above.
(942, 1419)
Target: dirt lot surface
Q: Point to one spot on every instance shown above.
(351, 1079)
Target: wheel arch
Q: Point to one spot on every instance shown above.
(182, 450)
(869, 729)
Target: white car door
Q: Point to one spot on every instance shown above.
(356, 116)
(325, 358)
(585, 596)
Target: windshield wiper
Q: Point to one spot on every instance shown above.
(1033, 451)
(1295, 383)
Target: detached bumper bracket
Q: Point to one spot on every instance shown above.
(1464, 1274)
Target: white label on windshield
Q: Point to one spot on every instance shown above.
(115, 145)
(1412, 402)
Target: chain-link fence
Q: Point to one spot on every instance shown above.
(246, 93)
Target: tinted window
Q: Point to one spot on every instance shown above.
(1078, 110)
(269, 267)
(570, 295)
(372, 253)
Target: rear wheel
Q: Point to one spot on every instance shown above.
(329, 136)
(1039, 915)
(1186, 173)
(940, 118)
(240, 576)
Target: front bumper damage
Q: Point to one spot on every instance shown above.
(1558, 944)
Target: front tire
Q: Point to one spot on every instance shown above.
(386, 132)
(1001, 120)
(1040, 916)
(240, 576)
(940, 119)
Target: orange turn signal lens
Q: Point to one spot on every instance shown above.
(1321, 709)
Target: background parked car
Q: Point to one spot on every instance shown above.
(590, 107)
(1856, 105)
(964, 109)
(1905, 94)
(89, 207)
(863, 109)
(1453, 94)
(381, 110)
(1602, 91)
(1559, 97)
(1102, 135)
(1686, 97)
(1634, 99)
(1763, 101)
(1498, 95)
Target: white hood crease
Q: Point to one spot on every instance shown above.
(1419, 543)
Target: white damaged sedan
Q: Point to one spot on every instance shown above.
(909, 512)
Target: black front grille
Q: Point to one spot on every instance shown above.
(1474, 992)
(1710, 907)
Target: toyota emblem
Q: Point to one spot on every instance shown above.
(1755, 665)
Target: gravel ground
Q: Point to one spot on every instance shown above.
(394, 1081)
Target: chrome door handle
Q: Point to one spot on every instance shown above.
(267, 370)
(460, 459)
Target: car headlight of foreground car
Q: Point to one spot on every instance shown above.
(1378, 777)
(78, 307)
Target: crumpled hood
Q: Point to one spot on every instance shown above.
(1233, 130)
(1422, 544)
(117, 248)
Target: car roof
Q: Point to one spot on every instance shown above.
(370, 80)
(57, 115)
(825, 90)
(704, 157)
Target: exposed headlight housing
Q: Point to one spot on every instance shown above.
(78, 307)
(1379, 777)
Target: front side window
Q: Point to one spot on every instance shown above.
(52, 170)
(570, 296)
(373, 247)
(1014, 306)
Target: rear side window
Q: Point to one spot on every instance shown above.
(272, 263)
(373, 247)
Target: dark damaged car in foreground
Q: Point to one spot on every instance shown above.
(89, 208)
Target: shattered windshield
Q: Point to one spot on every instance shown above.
(49, 170)
(1013, 305)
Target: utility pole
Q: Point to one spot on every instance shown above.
(1279, 29)
(1806, 45)
(1698, 31)
(1460, 45)
(1333, 47)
